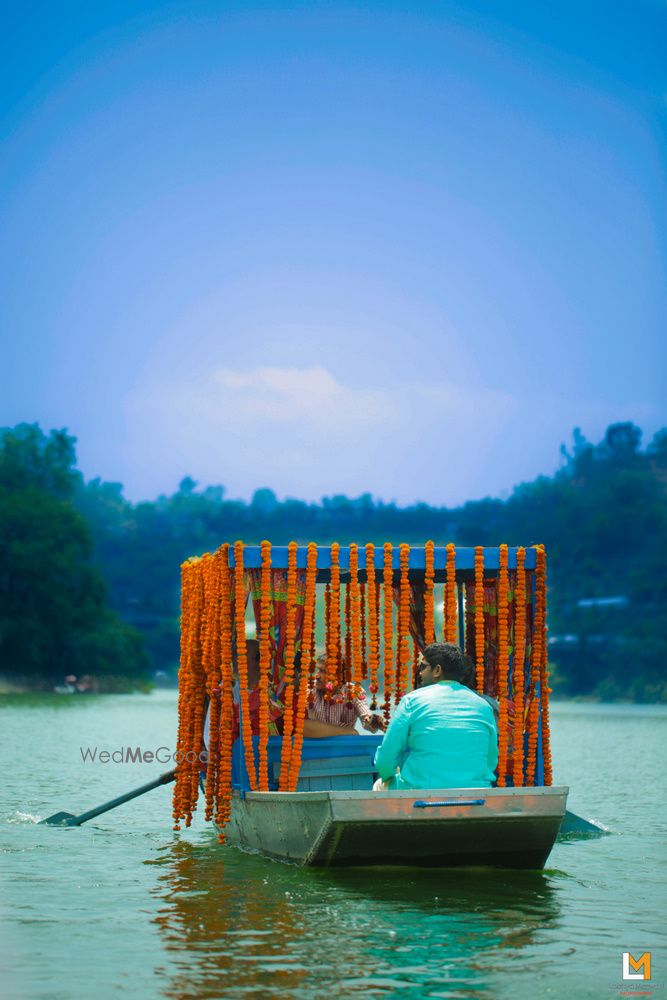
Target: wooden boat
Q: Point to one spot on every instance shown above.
(508, 827)
(330, 816)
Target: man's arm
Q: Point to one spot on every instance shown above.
(315, 729)
(368, 720)
(391, 751)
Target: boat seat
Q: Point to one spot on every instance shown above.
(353, 773)
(334, 763)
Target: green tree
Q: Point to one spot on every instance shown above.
(53, 613)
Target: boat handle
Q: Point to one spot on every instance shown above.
(423, 804)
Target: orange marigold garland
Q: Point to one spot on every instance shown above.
(479, 617)
(211, 661)
(450, 595)
(518, 680)
(388, 624)
(348, 643)
(364, 651)
(308, 654)
(290, 641)
(333, 632)
(184, 701)
(264, 666)
(354, 663)
(242, 661)
(541, 583)
(403, 624)
(538, 638)
(223, 793)
(198, 694)
(429, 609)
(373, 626)
(503, 664)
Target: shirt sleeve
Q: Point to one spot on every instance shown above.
(392, 750)
(361, 710)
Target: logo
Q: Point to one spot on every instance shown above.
(631, 966)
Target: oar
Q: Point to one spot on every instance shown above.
(576, 826)
(67, 819)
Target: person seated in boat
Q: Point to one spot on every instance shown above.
(337, 709)
(330, 718)
(442, 735)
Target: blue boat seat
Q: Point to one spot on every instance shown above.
(340, 762)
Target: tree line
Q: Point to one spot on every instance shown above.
(90, 580)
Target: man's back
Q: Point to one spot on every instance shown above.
(449, 736)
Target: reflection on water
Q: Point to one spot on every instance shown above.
(235, 924)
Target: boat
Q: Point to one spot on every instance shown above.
(311, 801)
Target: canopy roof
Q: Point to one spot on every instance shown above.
(465, 560)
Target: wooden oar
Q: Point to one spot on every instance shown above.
(67, 819)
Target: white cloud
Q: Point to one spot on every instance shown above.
(304, 433)
(286, 395)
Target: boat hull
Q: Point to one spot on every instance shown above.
(507, 827)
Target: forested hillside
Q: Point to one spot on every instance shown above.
(602, 517)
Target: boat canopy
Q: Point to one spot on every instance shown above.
(376, 608)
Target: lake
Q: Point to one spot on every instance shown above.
(124, 903)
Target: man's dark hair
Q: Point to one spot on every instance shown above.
(452, 662)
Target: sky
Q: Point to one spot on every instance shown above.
(396, 248)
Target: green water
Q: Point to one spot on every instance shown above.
(124, 903)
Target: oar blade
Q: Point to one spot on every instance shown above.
(60, 819)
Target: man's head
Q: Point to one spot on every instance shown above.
(442, 661)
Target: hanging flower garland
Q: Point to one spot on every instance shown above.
(479, 617)
(373, 626)
(429, 607)
(333, 638)
(403, 624)
(327, 633)
(223, 792)
(242, 661)
(264, 666)
(184, 696)
(538, 639)
(198, 694)
(211, 661)
(308, 654)
(364, 651)
(192, 694)
(354, 663)
(541, 580)
(388, 623)
(503, 664)
(290, 641)
(518, 680)
(348, 643)
(450, 595)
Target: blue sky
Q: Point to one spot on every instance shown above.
(401, 248)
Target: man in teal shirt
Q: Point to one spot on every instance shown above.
(442, 735)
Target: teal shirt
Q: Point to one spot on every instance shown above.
(441, 736)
